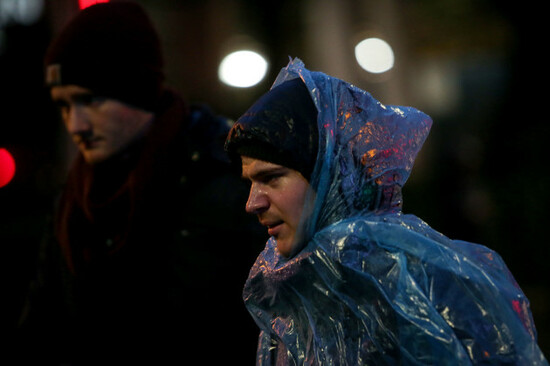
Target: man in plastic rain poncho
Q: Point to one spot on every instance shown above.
(347, 278)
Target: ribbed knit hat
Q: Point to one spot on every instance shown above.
(111, 49)
(280, 128)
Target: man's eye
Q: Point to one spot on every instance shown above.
(270, 178)
(85, 99)
(61, 104)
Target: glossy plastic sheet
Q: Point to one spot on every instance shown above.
(371, 285)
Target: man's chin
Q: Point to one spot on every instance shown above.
(94, 156)
(284, 246)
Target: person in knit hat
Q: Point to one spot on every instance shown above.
(140, 263)
(105, 72)
(277, 140)
(346, 277)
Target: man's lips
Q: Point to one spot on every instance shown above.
(273, 228)
(88, 143)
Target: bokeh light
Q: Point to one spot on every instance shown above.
(7, 167)
(25, 12)
(85, 3)
(374, 55)
(242, 69)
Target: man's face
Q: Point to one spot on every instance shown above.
(100, 127)
(277, 196)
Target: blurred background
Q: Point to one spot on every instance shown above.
(475, 66)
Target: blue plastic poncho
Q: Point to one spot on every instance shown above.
(371, 285)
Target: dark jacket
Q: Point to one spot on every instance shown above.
(150, 252)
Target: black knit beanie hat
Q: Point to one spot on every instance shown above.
(281, 128)
(111, 49)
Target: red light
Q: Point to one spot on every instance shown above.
(7, 167)
(85, 3)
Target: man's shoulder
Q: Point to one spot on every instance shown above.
(207, 132)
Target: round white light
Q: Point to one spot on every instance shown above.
(374, 55)
(242, 69)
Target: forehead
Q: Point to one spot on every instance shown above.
(68, 92)
(252, 168)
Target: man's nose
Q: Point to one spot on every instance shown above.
(258, 201)
(76, 120)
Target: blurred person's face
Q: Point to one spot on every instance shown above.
(100, 127)
(277, 196)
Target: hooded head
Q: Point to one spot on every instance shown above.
(111, 49)
(277, 140)
(364, 150)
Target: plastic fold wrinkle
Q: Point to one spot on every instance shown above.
(372, 285)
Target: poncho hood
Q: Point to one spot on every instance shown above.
(366, 149)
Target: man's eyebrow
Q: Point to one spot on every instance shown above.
(79, 97)
(265, 172)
